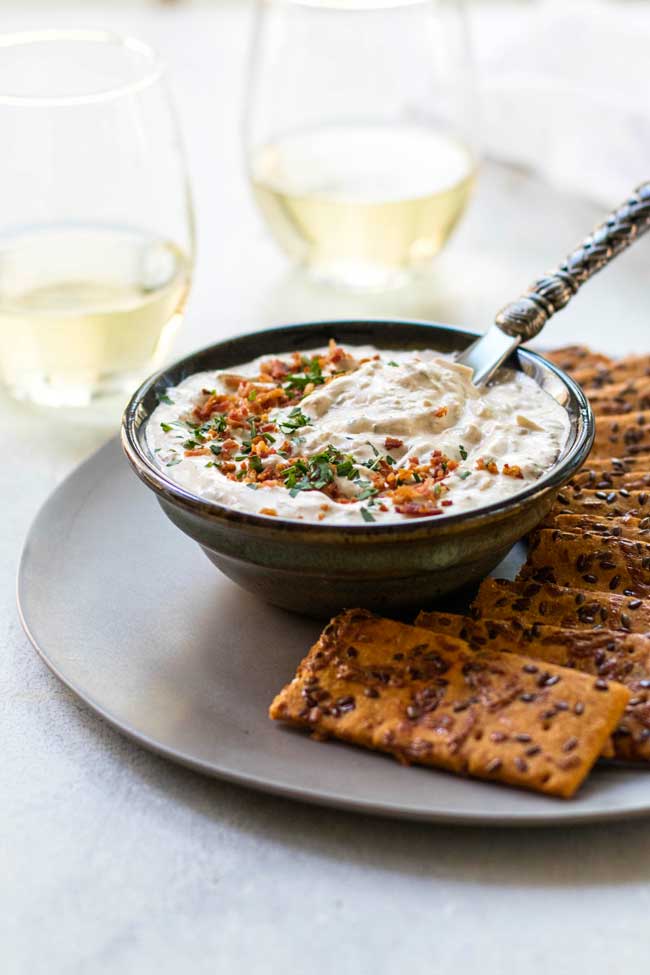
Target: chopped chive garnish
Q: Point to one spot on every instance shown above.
(366, 515)
(462, 452)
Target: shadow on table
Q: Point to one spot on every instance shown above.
(580, 856)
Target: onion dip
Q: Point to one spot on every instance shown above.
(355, 434)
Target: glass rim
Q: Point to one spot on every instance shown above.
(153, 65)
(353, 6)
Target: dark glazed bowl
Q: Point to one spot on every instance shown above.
(319, 569)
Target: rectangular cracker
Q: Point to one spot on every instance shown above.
(627, 434)
(616, 656)
(428, 698)
(572, 357)
(633, 395)
(597, 375)
(610, 476)
(633, 529)
(530, 602)
(589, 562)
(603, 504)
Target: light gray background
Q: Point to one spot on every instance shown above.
(114, 861)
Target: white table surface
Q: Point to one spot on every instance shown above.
(112, 860)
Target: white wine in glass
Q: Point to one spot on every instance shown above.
(361, 133)
(360, 204)
(84, 309)
(95, 261)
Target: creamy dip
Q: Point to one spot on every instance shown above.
(355, 435)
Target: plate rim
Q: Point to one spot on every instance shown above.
(563, 816)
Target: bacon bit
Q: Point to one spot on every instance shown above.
(238, 416)
(491, 466)
(446, 504)
(228, 468)
(269, 399)
(268, 511)
(392, 443)
(229, 445)
(268, 427)
(419, 499)
(213, 404)
(233, 381)
(268, 475)
(442, 411)
(197, 452)
(325, 507)
(260, 447)
(514, 471)
(275, 368)
(383, 507)
(417, 509)
(414, 461)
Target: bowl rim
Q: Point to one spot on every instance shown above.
(174, 493)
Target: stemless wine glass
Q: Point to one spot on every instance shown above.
(360, 132)
(96, 227)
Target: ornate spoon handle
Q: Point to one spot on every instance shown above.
(526, 316)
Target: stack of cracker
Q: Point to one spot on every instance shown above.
(548, 672)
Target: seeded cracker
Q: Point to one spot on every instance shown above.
(593, 377)
(614, 656)
(628, 527)
(429, 699)
(589, 562)
(528, 602)
(610, 474)
(628, 434)
(572, 357)
(619, 398)
(604, 504)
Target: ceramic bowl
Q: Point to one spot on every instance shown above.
(318, 569)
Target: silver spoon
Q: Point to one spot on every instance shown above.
(524, 318)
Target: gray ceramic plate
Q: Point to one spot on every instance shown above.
(135, 620)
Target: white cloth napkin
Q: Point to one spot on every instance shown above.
(566, 91)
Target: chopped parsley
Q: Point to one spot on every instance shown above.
(252, 396)
(294, 421)
(346, 468)
(367, 489)
(215, 448)
(462, 452)
(166, 427)
(319, 471)
(391, 362)
(298, 380)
